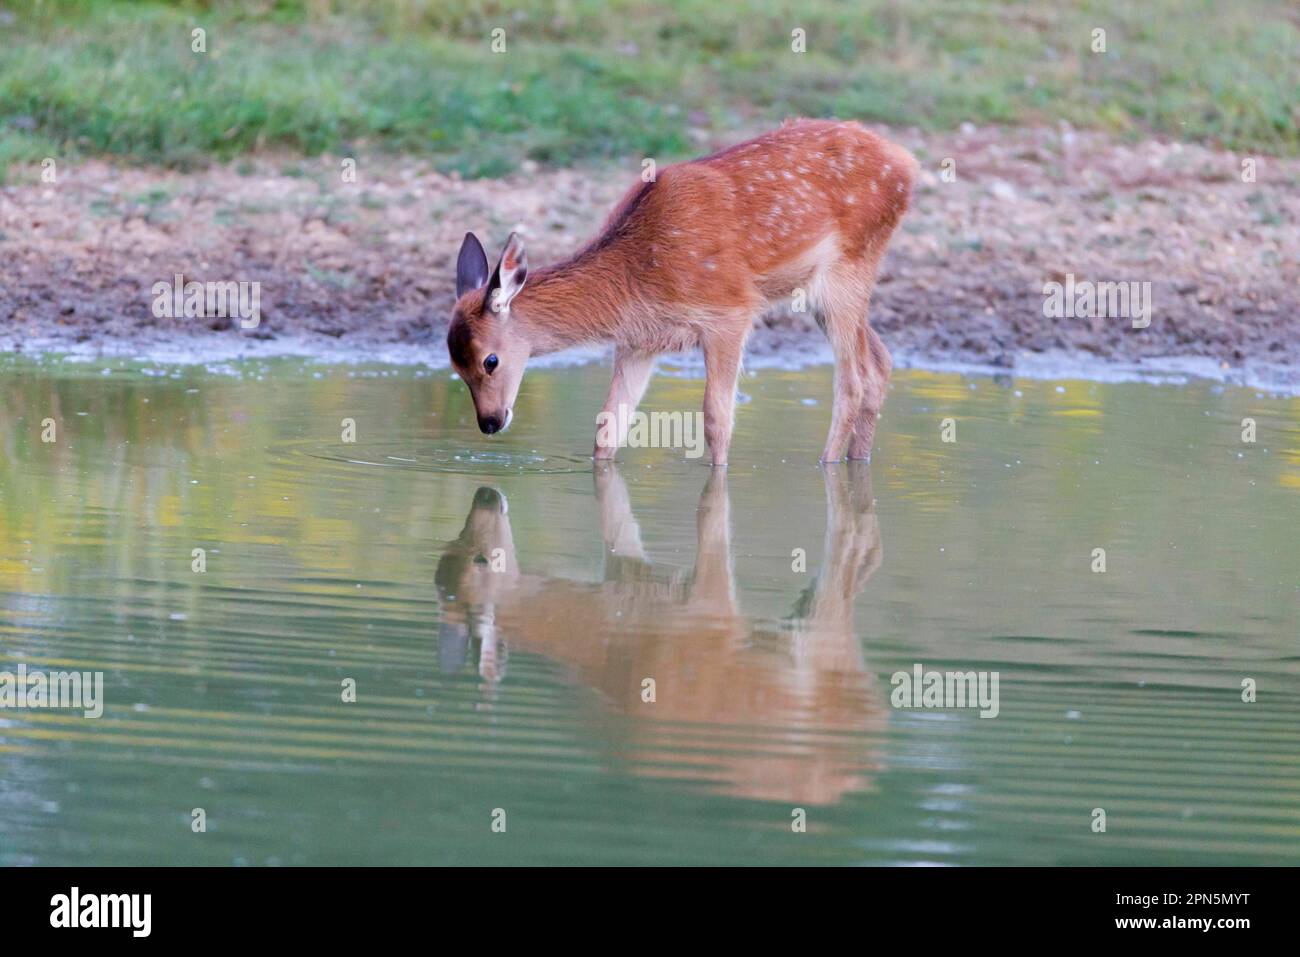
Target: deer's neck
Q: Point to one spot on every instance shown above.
(582, 300)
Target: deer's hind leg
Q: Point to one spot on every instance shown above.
(875, 364)
(844, 309)
(862, 363)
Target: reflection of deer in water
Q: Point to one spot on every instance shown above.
(767, 710)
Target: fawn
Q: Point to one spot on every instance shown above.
(691, 258)
(766, 710)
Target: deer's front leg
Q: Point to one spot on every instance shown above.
(721, 368)
(618, 526)
(632, 370)
(711, 583)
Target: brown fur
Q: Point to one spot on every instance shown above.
(693, 257)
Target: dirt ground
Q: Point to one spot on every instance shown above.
(352, 266)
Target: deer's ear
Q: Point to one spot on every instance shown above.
(510, 275)
(471, 265)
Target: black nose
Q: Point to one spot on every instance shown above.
(489, 424)
(487, 497)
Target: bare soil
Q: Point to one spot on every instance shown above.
(355, 266)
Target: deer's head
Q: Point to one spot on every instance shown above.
(486, 348)
(474, 570)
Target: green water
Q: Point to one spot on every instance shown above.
(499, 605)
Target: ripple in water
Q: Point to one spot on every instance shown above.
(442, 459)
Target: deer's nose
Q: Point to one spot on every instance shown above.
(489, 424)
(488, 497)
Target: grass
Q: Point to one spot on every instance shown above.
(586, 79)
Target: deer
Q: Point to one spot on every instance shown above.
(691, 257)
(796, 694)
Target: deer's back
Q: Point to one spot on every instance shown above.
(749, 222)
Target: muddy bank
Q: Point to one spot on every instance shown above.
(365, 269)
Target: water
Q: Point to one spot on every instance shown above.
(499, 605)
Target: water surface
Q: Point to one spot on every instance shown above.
(500, 604)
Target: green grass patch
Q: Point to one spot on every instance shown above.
(582, 79)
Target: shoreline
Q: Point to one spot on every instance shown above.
(779, 353)
(363, 271)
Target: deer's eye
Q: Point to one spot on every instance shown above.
(490, 363)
